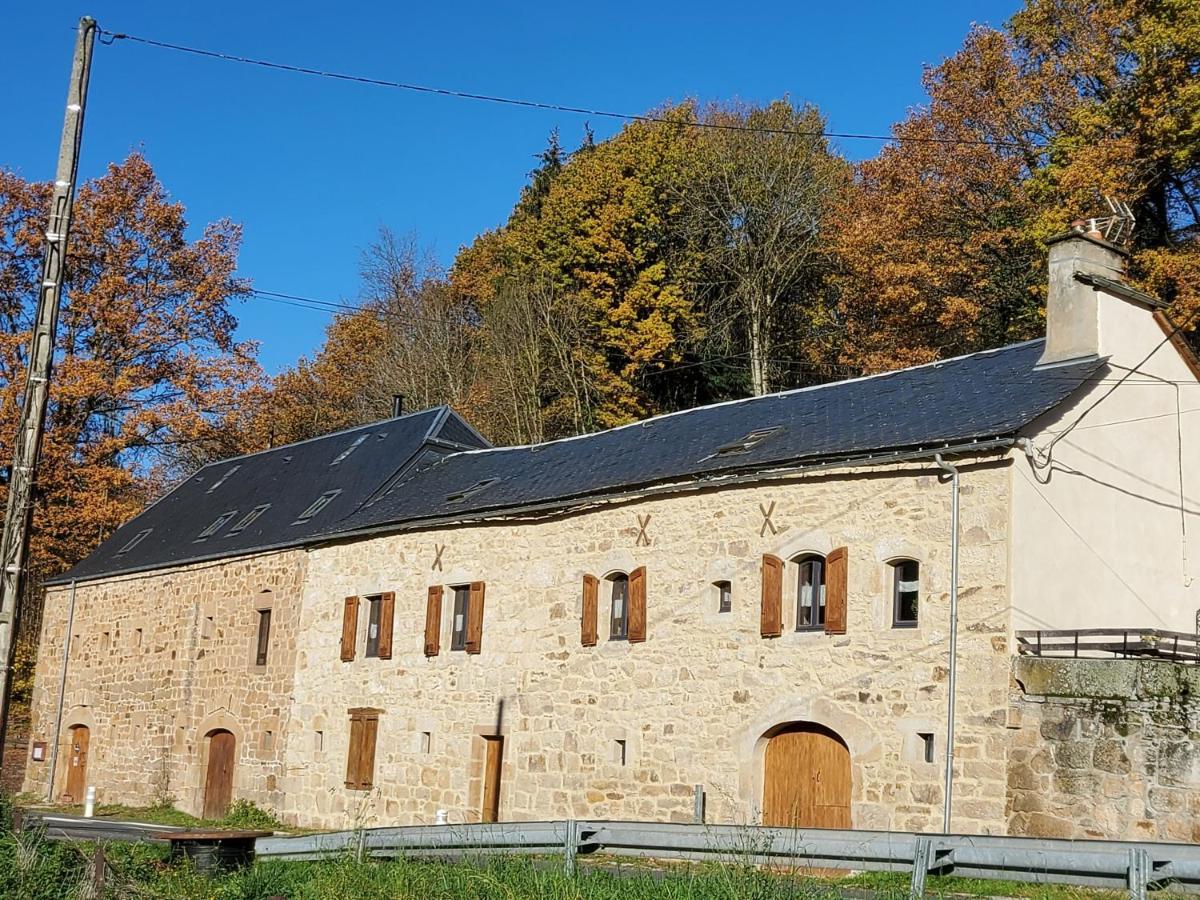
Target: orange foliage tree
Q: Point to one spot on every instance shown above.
(146, 372)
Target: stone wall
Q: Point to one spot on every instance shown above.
(1105, 748)
(694, 703)
(160, 660)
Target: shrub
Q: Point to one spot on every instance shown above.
(244, 814)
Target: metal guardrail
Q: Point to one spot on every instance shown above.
(59, 827)
(1134, 866)
(1125, 643)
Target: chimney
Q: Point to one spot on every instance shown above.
(1073, 307)
(397, 405)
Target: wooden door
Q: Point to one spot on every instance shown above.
(218, 783)
(806, 779)
(77, 764)
(494, 747)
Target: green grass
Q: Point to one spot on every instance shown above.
(242, 815)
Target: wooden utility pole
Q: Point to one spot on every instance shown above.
(27, 443)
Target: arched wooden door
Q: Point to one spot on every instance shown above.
(77, 757)
(218, 782)
(806, 778)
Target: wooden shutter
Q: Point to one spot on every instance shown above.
(771, 618)
(637, 605)
(349, 628)
(433, 620)
(475, 617)
(591, 594)
(835, 592)
(387, 609)
(360, 760)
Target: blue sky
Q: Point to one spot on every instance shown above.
(312, 167)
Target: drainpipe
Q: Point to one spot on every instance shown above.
(946, 467)
(62, 691)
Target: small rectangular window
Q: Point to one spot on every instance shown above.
(724, 596)
(268, 740)
(426, 741)
(137, 539)
(318, 740)
(373, 607)
(317, 505)
(906, 589)
(207, 627)
(462, 606)
(618, 625)
(105, 641)
(137, 637)
(619, 752)
(264, 637)
(216, 525)
(926, 740)
(245, 521)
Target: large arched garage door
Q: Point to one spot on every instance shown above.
(806, 778)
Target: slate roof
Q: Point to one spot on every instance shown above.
(355, 463)
(980, 397)
(414, 470)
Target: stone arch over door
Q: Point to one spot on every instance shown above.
(806, 777)
(221, 753)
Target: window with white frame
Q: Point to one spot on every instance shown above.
(906, 592)
(810, 592)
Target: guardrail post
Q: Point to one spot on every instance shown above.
(921, 855)
(1139, 873)
(698, 811)
(362, 839)
(570, 847)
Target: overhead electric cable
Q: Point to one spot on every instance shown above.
(110, 37)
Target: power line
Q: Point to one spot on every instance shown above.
(110, 37)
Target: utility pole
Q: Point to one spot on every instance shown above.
(27, 443)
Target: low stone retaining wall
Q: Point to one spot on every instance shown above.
(1104, 748)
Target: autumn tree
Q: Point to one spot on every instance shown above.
(758, 205)
(1026, 129)
(146, 365)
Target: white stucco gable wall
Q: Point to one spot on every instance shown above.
(1108, 534)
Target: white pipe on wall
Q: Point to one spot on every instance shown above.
(949, 788)
(62, 692)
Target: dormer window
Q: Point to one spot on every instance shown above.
(317, 505)
(748, 442)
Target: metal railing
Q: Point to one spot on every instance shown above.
(1125, 643)
(1106, 864)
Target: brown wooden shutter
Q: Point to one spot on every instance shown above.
(360, 760)
(591, 604)
(366, 762)
(349, 628)
(387, 610)
(771, 618)
(637, 605)
(433, 620)
(354, 755)
(835, 592)
(475, 617)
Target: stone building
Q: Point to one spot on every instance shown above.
(753, 597)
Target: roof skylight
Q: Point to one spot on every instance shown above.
(220, 481)
(317, 505)
(247, 519)
(217, 524)
(137, 539)
(358, 442)
(749, 442)
(459, 496)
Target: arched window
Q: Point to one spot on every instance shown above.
(906, 592)
(810, 592)
(618, 623)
